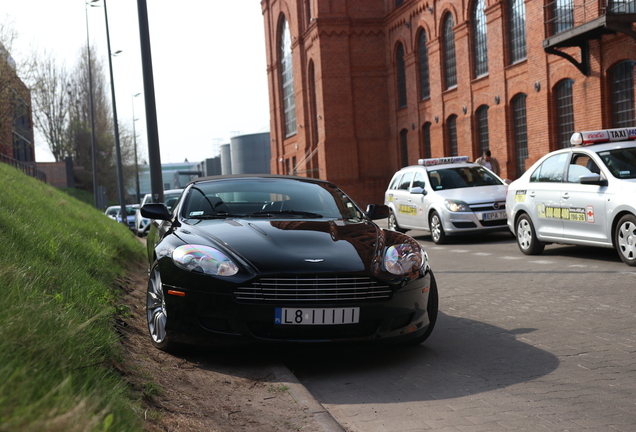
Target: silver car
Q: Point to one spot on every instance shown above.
(582, 195)
(142, 224)
(446, 196)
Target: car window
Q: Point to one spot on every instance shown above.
(551, 170)
(418, 180)
(396, 181)
(406, 181)
(620, 162)
(581, 165)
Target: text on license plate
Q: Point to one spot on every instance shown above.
(317, 316)
(495, 215)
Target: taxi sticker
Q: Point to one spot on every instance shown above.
(390, 198)
(404, 209)
(574, 214)
(520, 196)
(590, 214)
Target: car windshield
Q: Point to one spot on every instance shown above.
(462, 177)
(620, 162)
(267, 198)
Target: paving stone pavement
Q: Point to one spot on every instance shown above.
(543, 343)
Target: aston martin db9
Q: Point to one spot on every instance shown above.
(282, 259)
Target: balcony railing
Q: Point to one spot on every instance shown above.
(24, 167)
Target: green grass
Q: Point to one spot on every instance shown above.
(59, 259)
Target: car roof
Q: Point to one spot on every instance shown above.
(439, 166)
(257, 176)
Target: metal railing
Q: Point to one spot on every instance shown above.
(29, 170)
(562, 15)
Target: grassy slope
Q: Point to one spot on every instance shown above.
(59, 259)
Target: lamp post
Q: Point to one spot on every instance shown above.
(97, 201)
(135, 146)
(120, 176)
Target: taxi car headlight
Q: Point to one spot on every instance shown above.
(203, 259)
(456, 205)
(404, 258)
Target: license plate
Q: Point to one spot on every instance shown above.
(294, 316)
(495, 215)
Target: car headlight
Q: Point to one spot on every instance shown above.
(456, 205)
(204, 259)
(403, 258)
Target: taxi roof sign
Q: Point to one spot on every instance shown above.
(603, 136)
(443, 160)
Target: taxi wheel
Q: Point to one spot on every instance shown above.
(526, 237)
(393, 225)
(437, 230)
(625, 239)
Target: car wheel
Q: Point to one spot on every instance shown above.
(436, 228)
(156, 311)
(432, 309)
(526, 237)
(393, 224)
(625, 239)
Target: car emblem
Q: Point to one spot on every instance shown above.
(496, 206)
(314, 260)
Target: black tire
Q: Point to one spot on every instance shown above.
(437, 230)
(393, 224)
(432, 309)
(156, 313)
(625, 239)
(526, 236)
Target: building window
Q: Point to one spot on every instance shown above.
(450, 65)
(426, 140)
(451, 129)
(622, 94)
(398, 3)
(480, 39)
(562, 15)
(404, 147)
(287, 79)
(564, 109)
(520, 129)
(401, 75)
(422, 50)
(482, 129)
(517, 30)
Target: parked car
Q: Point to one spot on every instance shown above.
(130, 215)
(582, 195)
(142, 224)
(282, 259)
(446, 196)
(112, 211)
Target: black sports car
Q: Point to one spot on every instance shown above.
(282, 259)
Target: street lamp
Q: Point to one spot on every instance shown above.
(135, 146)
(96, 199)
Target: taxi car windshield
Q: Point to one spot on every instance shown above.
(462, 177)
(620, 162)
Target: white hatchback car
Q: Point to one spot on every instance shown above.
(582, 195)
(142, 224)
(446, 196)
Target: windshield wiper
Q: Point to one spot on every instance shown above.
(220, 215)
(271, 214)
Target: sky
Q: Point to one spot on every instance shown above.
(208, 59)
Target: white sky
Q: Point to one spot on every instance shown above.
(208, 60)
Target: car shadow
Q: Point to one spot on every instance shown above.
(583, 252)
(466, 239)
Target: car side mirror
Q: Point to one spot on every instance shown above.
(593, 179)
(377, 211)
(417, 190)
(156, 211)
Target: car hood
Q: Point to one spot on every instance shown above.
(279, 246)
(473, 195)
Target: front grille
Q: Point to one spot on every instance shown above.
(488, 206)
(313, 289)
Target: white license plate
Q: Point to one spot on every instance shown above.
(294, 316)
(495, 215)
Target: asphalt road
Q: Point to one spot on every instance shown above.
(542, 343)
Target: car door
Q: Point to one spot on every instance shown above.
(415, 201)
(583, 214)
(402, 201)
(544, 193)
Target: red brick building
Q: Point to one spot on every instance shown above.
(360, 88)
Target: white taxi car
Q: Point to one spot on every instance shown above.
(582, 195)
(446, 196)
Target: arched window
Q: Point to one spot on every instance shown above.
(517, 30)
(450, 65)
(287, 79)
(422, 51)
(562, 15)
(401, 75)
(451, 130)
(520, 128)
(622, 94)
(426, 140)
(564, 110)
(480, 40)
(404, 147)
(482, 128)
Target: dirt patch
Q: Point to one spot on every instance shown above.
(238, 389)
